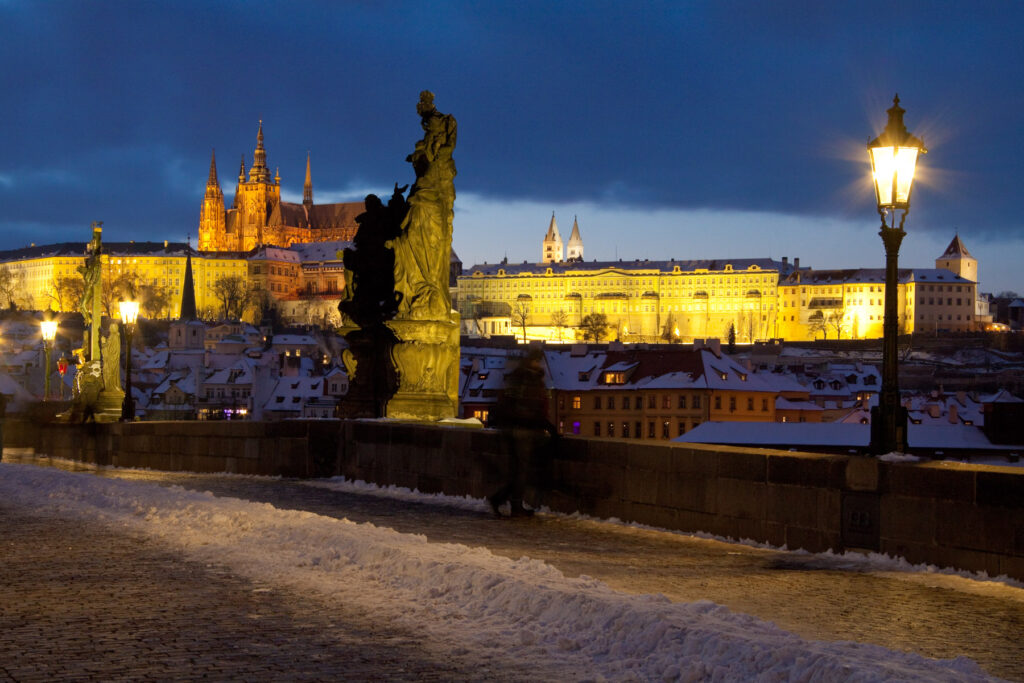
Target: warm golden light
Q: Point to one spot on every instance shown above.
(129, 311)
(49, 329)
(894, 156)
(893, 174)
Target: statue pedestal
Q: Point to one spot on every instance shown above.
(109, 405)
(426, 357)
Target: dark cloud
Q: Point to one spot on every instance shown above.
(111, 108)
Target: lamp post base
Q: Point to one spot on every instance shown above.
(888, 430)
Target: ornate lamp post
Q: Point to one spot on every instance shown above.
(49, 332)
(129, 314)
(894, 156)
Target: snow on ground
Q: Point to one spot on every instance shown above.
(844, 561)
(467, 602)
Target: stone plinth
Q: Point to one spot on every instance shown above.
(426, 357)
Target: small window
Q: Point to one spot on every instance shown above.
(577, 402)
(718, 402)
(597, 403)
(650, 430)
(682, 401)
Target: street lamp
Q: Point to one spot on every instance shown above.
(894, 156)
(49, 332)
(129, 314)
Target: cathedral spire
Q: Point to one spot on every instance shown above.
(307, 189)
(259, 172)
(552, 248)
(212, 184)
(574, 250)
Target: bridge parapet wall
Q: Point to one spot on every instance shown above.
(942, 513)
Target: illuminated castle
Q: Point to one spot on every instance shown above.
(258, 217)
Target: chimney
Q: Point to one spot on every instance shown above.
(796, 263)
(785, 262)
(961, 397)
(953, 418)
(934, 410)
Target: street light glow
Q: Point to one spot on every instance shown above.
(894, 156)
(129, 311)
(49, 330)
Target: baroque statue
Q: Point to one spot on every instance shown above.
(423, 249)
(402, 333)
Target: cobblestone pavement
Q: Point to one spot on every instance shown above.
(80, 602)
(935, 616)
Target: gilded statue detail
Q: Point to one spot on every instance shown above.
(423, 248)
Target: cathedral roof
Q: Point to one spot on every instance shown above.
(342, 215)
(956, 249)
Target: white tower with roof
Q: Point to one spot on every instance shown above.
(958, 260)
(552, 246)
(574, 250)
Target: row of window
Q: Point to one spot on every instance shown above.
(634, 431)
(632, 402)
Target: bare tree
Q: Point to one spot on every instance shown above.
(234, 293)
(67, 292)
(559, 319)
(520, 315)
(155, 299)
(818, 323)
(594, 326)
(836, 319)
(12, 287)
(124, 285)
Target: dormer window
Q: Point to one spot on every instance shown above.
(615, 377)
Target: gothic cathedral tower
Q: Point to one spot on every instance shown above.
(211, 216)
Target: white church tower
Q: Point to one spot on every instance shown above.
(574, 251)
(958, 260)
(552, 246)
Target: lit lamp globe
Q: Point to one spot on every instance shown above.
(129, 312)
(49, 330)
(894, 156)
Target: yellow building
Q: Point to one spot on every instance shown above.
(685, 300)
(258, 217)
(850, 304)
(670, 300)
(39, 273)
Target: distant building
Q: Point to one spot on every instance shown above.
(259, 217)
(679, 301)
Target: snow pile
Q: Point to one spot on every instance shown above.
(844, 561)
(898, 457)
(468, 603)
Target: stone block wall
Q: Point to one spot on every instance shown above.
(947, 514)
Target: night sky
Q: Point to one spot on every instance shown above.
(684, 129)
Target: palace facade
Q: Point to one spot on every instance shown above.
(679, 301)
